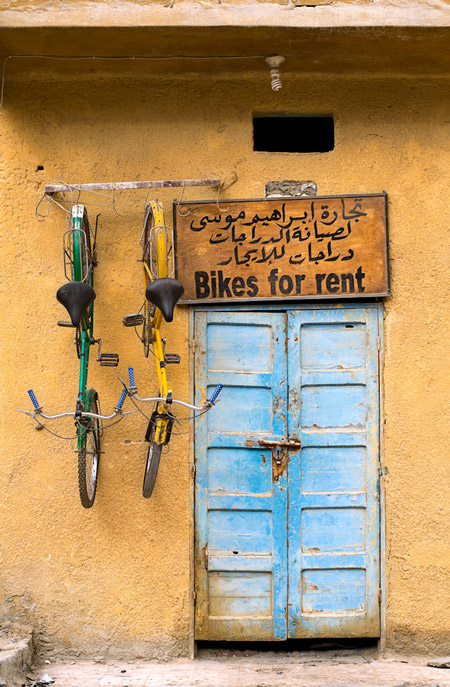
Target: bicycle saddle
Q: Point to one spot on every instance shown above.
(76, 297)
(165, 294)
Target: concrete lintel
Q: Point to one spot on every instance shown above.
(301, 13)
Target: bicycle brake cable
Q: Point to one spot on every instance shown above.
(42, 426)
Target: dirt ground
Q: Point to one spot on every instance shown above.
(253, 669)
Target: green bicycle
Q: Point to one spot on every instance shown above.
(77, 296)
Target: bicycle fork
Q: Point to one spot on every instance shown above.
(161, 416)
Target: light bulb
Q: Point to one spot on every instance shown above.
(274, 62)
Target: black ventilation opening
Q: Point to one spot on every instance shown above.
(293, 134)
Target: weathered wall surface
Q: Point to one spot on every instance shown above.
(115, 579)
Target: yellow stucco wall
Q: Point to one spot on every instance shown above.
(115, 579)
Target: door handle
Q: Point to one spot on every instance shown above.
(292, 444)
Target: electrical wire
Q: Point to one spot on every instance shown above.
(118, 58)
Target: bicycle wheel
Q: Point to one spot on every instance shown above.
(147, 329)
(81, 245)
(77, 340)
(154, 257)
(154, 242)
(153, 458)
(77, 250)
(89, 452)
(151, 469)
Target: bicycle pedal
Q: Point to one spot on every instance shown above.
(133, 320)
(61, 323)
(173, 358)
(109, 359)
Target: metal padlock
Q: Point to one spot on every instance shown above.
(278, 455)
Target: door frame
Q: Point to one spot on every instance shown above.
(281, 307)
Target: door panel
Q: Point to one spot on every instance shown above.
(241, 561)
(291, 551)
(333, 481)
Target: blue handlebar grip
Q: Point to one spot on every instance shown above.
(121, 399)
(215, 393)
(131, 378)
(33, 399)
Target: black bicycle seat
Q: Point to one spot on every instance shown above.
(165, 294)
(76, 297)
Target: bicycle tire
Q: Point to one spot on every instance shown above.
(152, 464)
(155, 266)
(89, 453)
(151, 469)
(149, 223)
(147, 329)
(77, 340)
(79, 249)
(154, 243)
(82, 269)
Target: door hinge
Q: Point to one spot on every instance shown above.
(194, 471)
(382, 470)
(380, 595)
(195, 597)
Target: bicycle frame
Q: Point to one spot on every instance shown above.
(165, 290)
(158, 347)
(79, 246)
(83, 262)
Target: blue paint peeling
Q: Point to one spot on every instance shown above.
(289, 551)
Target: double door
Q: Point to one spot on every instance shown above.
(287, 493)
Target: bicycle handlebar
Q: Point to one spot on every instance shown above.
(123, 396)
(169, 400)
(215, 393)
(131, 378)
(132, 391)
(117, 409)
(33, 399)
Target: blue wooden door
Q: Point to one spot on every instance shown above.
(241, 559)
(291, 550)
(333, 481)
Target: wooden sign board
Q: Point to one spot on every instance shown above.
(278, 249)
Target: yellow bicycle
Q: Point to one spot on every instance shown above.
(162, 293)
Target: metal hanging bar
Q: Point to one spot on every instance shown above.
(124, 185)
